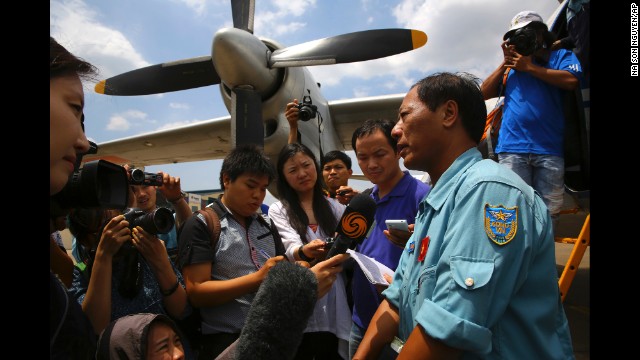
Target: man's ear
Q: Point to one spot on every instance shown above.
(225, 180)
(449, 112)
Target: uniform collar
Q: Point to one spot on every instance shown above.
(449, 179)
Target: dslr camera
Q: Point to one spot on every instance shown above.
(139, 177)
(98, 184)
(524, 41)
(159, 221)
(307, 109)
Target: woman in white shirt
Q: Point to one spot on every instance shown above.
(305, 216)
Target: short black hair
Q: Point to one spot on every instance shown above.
(337, 155)
(463, 88)
(247, 158)
(370, 126)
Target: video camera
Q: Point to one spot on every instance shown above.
(524, 41)
(159, 221)
(139, 177)
(98, 184)
(307, 109)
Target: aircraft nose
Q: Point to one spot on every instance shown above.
(240, 58)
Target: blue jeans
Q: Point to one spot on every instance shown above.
(355, 338)
(545, 173)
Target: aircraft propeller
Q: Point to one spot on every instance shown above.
(253, 72)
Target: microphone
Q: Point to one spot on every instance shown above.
(354, 224)
(278, 314)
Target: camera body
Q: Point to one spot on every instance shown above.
(307, 109)
(524, 41)
(139, 177)
(159, 221)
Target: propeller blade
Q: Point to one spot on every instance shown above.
(242, 11)
(166, 77)
(246, 117)
(346, 48)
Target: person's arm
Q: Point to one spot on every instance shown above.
(172, 191)
(155, 252)
(97, 302)
(562, 79)
(204, 292)
(381, 331)
(491, 85)
(420, 345)
(60, 262)
(292, 114)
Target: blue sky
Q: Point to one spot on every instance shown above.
(122, 35)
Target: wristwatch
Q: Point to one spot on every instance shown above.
(303, 256)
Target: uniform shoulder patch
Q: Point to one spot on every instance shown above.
(500, 223)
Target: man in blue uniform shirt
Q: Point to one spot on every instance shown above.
(477, 279)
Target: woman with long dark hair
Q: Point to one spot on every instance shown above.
(305, 216)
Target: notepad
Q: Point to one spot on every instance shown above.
(371, 268)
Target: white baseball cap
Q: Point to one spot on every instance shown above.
(522, 19)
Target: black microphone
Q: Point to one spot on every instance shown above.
(279, 314)
(354, 224)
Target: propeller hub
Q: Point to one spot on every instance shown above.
(241, 59)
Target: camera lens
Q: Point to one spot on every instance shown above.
(159, 221)
(163, 220)
(137, 176)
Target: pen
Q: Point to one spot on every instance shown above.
(265, 254)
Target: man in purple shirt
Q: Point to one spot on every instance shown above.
(397, 195)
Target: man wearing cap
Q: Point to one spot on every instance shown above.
(531, 139)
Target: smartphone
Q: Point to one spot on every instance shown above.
(397, 224)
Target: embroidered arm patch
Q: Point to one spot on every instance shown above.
(500, 223)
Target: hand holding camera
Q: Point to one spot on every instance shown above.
(139, 177)
(306, 109)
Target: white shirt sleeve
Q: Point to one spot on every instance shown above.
(290, 237)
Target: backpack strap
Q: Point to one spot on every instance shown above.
(213, 224)
(277, 240)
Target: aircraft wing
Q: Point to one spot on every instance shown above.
(349, 114)
(203, 140)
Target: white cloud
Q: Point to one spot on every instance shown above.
(123, 121)
(118, 123)
(75, 26)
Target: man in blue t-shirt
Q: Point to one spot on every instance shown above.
(531, 139)
(397, 195)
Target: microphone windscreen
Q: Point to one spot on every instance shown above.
(357, 218)
(278, 314)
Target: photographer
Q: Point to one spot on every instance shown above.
(70, 333)
(146, 200)
(531, 139)
(128, 270)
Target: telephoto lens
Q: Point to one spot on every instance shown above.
(159, 221)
